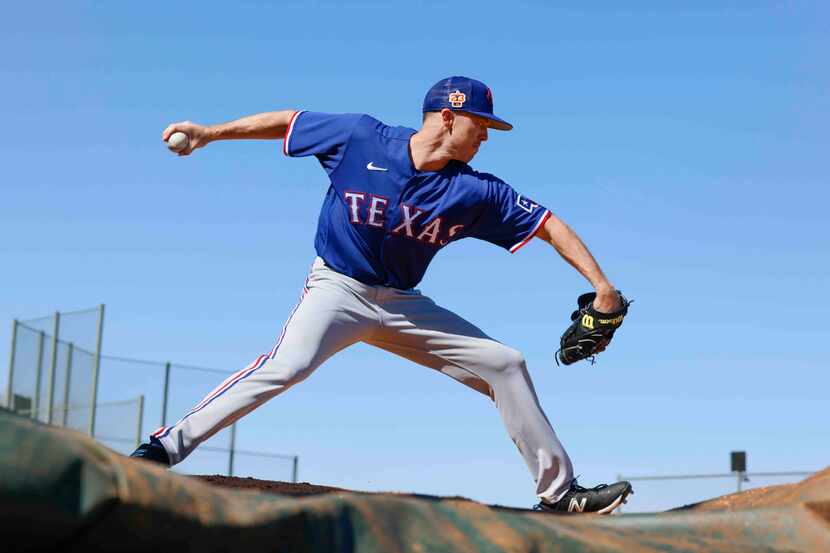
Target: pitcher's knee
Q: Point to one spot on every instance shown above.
(505, 360)
(286, 371)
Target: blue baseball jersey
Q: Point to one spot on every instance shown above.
(383, 221)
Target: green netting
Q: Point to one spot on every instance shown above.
(62, 491)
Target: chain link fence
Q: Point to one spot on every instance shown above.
(52, 368)
(58, 375)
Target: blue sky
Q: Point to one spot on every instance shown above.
(683, 143)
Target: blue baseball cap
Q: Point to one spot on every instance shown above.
(467, 95)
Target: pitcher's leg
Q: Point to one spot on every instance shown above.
(326, 320)
(418, 329)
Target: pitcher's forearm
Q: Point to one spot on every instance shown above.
(266, 126)
(574, 251)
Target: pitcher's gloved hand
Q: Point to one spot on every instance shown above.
(591, 331)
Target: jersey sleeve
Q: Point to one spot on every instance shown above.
(323, 135)
(510, 219)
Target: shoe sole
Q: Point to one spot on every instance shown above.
(617, 502)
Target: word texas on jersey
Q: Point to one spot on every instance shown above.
(382, 220)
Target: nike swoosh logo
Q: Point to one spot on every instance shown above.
(371, 167)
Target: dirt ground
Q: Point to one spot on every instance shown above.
(283, 488)
(757, 497)
(302, 489)
(810, 489)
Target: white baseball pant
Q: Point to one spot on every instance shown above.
(337, 311)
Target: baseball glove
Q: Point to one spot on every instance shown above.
(591, 330)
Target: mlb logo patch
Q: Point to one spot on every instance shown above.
(527, 204)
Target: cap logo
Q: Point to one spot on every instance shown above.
(489, 95)
(457, 99)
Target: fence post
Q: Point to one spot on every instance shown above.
(12, 349)
(96, 369)
(233, 447)
(620, 508)
(53, 367)
(165, 394)
(36, 403)
(295, 468)
(140, 419)
(69, 352)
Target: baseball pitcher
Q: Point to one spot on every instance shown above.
(397, 196)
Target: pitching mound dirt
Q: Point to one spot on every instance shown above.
(301, 489)
(810, 490)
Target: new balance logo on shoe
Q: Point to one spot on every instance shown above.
(577, 506)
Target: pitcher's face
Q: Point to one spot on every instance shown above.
(468, 132)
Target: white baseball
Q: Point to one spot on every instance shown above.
(178, 141)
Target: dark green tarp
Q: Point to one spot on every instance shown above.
(62, 491)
